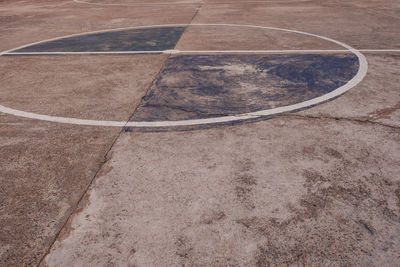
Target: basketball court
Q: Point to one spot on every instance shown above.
(200, 133)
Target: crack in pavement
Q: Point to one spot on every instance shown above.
(78, 203)
(74, 207)
(349, 119)
(364, 120)
(105, 157)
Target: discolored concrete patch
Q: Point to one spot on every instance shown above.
(195, 87)
(257, 194)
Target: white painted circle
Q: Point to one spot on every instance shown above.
(362, 71)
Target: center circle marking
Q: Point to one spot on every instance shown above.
(362, 71)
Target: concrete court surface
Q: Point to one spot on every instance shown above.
(316, 187)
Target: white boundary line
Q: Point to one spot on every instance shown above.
(276, 51)
(176, 51)
(362, 71)
(186, 3)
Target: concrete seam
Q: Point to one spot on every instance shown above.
(105, 159)
(74, 208)
(162, 66)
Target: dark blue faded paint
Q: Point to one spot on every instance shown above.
(147, 39)
(197, 87)
(128, 129)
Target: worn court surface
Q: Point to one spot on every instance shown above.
(315, 187)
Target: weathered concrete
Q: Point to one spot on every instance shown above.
(44, 170)
(45, 167)
(308, 188)
(377, 98)
(246, 38)
(359, 23)
(317, 187)
(102, 87)
(23, 23)
(274, 192)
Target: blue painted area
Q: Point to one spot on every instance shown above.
(310, 70)
(197, 87)
(147, 39)
(128, 129)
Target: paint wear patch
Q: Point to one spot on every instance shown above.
(197, 87)
(147, 39)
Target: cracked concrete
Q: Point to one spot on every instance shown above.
(376, 99)
(46, 167)
(350, 119)
(248, 194)
(318, 187)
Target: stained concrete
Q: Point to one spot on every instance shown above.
(319, 187)
(301, 189)
(46, 167)
(376, 98)
(44, 170)
(284, 191)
